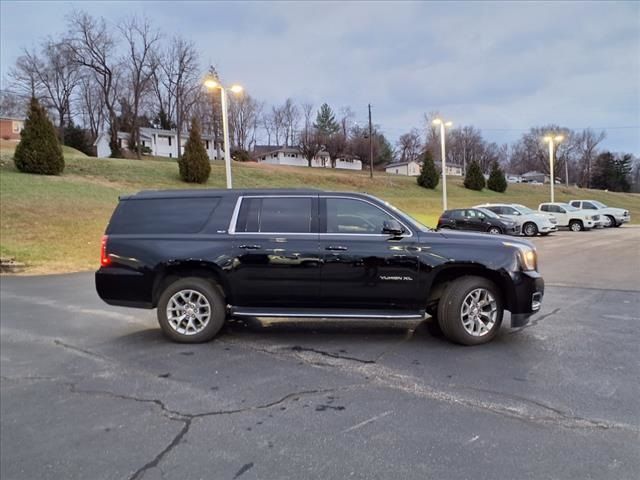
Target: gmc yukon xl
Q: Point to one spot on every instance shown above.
(202, 256)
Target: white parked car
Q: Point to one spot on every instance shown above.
(531, 222)
(611, 217)
(568, 216)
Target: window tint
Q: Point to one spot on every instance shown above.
(275, 215)
(575, 204)
(545, 208)
(588, 206)
(509, 211)
(162, 215)
(556, 209)
(456, 214)
(474, 213)
(493, 209)
(345, 215)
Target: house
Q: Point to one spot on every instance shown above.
(410, 168)
(10, 128)
(161, 143)
(413, 168)
(293, 156)
(535, 177)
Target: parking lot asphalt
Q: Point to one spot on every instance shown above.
(90, 391)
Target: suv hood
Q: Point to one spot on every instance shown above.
(485, 238)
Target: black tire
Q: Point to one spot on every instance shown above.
(217, 308)
(617, 225)
(576, 226)
(544, 234)
(450, 307)
(493, 230)
(530, 229)
(612, 221)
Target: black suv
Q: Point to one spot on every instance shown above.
(201, 256)
(477, 220)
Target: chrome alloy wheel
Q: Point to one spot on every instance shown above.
(188, 312)
(479, 312)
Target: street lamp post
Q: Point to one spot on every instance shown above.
(212, 83)
(443, 153)
(550, 139)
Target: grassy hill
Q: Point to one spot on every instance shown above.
(54, 224)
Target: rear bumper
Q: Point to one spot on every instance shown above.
(527, 294)
(124, 287)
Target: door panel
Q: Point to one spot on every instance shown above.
(365, 270)
(276, 261)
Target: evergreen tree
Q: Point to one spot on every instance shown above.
(611, 173)
(326, 121)
(497, 182)
(429, 176)
(474, 179)
(39, 150)
(194, 165)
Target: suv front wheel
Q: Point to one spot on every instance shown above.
(470, 311)
(191, 310)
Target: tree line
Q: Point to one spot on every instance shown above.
(98, 77)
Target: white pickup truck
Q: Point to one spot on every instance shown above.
(572, 217)
(611, 217)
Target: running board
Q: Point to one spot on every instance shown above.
(327, 313)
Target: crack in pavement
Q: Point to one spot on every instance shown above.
(523, 409)
(187, 418)
(297, 348)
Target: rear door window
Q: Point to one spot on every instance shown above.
(162, 215)
(276, 215)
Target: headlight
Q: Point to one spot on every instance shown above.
(527, 256)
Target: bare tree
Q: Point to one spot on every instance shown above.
(24, 75)
(266, 122)
(91, 104)
(586, 143)
(182, 77)
(309, 141)
(278, 123)
(13, 104)
(410, 146)
(243, 116)
(141, 63)
(346, 118)
(291, 119)
(93, 47)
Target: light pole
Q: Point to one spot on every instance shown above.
(550, 139)
(212, 84)
(443, 153)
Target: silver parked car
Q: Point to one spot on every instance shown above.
(531, 222)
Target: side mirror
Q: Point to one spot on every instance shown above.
(392, 227)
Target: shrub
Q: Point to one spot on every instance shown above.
(241, 155)
(194, 165)
(39, 150)
(497, 182)
(474, 179)
(78, 138)
(429, 176)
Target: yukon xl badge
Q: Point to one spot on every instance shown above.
(396, 278)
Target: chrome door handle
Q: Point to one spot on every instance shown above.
(250, 247)
(338, 248)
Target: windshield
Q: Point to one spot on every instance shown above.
(489, 213)
(568, 207)
(598, 204)
(522, 209)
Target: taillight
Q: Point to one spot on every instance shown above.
(105, 261)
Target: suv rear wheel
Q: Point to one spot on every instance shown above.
(191, 310)
(470, 311)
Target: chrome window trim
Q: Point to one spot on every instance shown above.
(236, 212)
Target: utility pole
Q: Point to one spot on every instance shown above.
(370, 145)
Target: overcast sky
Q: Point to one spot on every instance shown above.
(499, 66)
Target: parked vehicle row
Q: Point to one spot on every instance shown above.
(516, 219)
